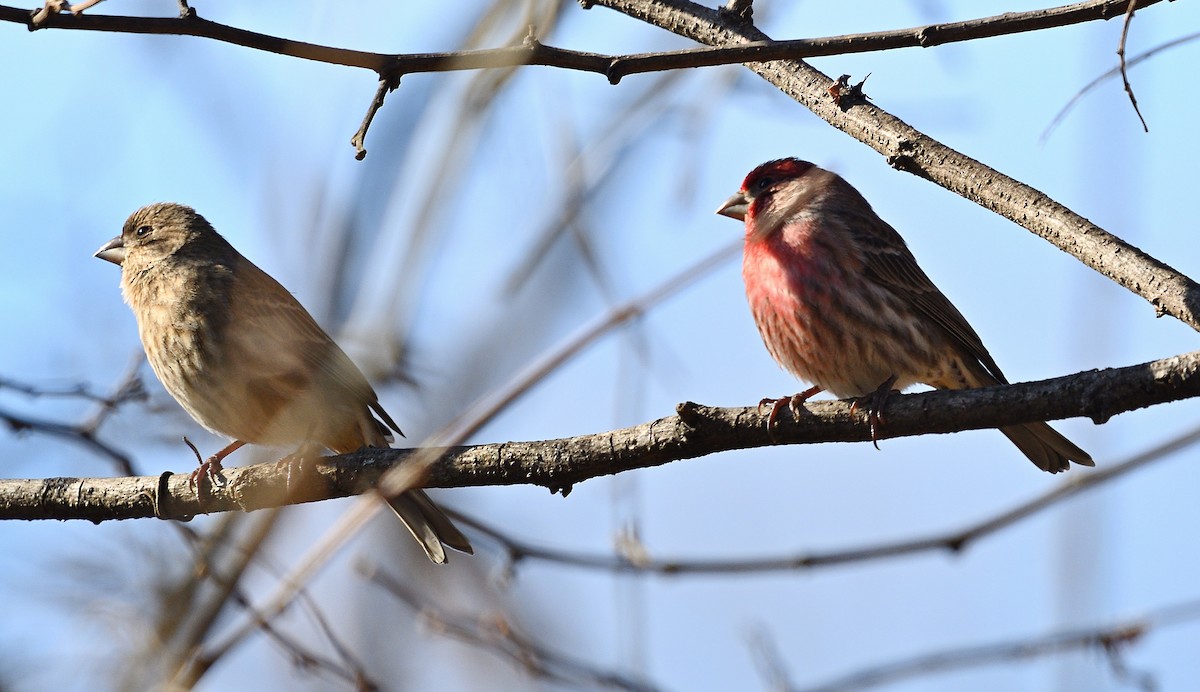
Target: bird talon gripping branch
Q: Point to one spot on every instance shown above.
(840, 301)
(874, 404)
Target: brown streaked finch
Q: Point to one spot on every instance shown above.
(840, 302)
(246, 360)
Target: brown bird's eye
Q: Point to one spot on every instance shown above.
(143, 231)
(762, 184)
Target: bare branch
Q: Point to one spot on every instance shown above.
(1058, 117)
(908, 149)
(558, 464)
(386, 85)
(1121, 56)
(614, 67)
(921, 36)
(497, 634)
(85, 432)
(1108, 639)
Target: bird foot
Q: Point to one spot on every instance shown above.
(207, 473)
(874, 404)
(793, 404)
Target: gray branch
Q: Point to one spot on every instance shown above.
(694, 431)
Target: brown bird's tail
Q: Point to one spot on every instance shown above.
(1045, 447)
(429, 525)
(1042, 444)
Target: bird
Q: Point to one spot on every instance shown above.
(244, 358)
(840, 302)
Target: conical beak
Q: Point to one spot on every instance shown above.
(112, 251)
(735, 207)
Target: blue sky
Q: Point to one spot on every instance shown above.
(100, 124)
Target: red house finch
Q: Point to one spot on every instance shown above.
(245, 359)
(840, 301)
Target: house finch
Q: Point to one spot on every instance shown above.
(840, 301)
(245, 359)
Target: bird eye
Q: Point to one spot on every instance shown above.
(143, 231)
(763, 183)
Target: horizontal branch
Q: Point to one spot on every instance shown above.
(926, 36)
(908, 149)
(695, 431)
(532, 52)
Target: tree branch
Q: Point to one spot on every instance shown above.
(1111, 640)
(908, 149)
(558, 464)
(532, 52)
(496, 633)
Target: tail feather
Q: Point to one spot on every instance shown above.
(1045, 447)
(429, 525)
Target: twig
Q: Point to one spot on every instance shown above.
(386, 86)
(1121, 55)
(84, 433)
(1109, 640)
(768, 659)
(185, 620)
(535, 372)
(1062, 114)
(496, 634)
(292, 584)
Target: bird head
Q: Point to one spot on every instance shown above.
(154, 233)
(773, 193)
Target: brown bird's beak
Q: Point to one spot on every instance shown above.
(112, 251)
(735, 207)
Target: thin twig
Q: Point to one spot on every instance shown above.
(1121, 55)
(1107, 639)
(497, 634)
(84, 433)
(386, 86)
(1108, 74)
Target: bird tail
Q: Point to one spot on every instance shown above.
(1042, 444)
(1045, 447)
(429, 525)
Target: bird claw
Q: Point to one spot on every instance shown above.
(874, 404)
(794, 403)
(208, 471)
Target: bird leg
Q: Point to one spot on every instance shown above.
(210, 468)
(793, 402)
(874, 403)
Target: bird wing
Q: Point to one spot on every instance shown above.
(888, 261)
(286, 351)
